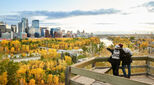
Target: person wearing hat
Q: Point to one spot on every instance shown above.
(115, 59)
(126, 60)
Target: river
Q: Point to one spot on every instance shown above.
(106, 41)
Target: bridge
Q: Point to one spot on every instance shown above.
(88, 73)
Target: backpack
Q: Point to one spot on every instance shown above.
(127, 51)
(126, 59)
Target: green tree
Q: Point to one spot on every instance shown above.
(11, 70)
(10, 67)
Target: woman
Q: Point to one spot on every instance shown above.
(117, 53)
(126, 61)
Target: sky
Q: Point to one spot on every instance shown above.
(97, 16)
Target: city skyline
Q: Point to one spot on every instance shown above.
(99, 16)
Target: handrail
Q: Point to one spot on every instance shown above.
(104, 77)
(84, 63)
(80, 70)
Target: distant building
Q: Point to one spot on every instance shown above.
(7, 35)
(23, 27)
(43, 32)
(63, 33)
(83, 34)
(20, 27)
(78, 32)
(54, 32)
(24, 22)
(14, 28)
(2, 28)
(47, 33)
(32, 31)
(35, 24)
(2, 23)
(7, 26)
(68, 34)
(8, 30)
(23, 35)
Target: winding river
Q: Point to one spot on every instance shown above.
(106, 41)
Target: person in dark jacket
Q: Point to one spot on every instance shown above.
(126, 61)
(114, 59)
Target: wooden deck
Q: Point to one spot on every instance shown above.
(100, 76)
(90, 81)
(143, 78)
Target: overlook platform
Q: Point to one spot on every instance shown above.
(88, 73)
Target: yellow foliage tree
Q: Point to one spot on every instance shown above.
(42, 82)
(56, 80)
(32, 82)
(68, 60)
(3, 78)
(12, 50)
(50, 79)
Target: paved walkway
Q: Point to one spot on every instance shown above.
(26, 59)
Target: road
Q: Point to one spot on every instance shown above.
(25, 59)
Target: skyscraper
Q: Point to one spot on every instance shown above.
(35, 24)
(2, 29)
(14, 28)
(20, 27)
(54, 30)
(23, 25)
(43, 31)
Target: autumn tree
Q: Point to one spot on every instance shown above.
(50, 79)
(32, 82)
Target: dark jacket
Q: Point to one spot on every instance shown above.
(122, 53)
(126, 59)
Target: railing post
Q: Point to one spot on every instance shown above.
(148, 64)
(93, 64)
(67, 75)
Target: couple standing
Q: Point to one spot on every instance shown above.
(120, 54)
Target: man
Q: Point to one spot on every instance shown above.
(126, 61)
(115, 59)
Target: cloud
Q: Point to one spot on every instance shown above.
(149, 6)
(54, 14)
(149, 23)
(10, 19)
(105, 23)
(61, 14)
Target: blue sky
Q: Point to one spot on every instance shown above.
(98, 16)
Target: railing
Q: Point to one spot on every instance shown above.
(78, 69)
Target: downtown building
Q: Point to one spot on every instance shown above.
(2, 29)
(5, 31)
(43, 29)
(55, 32)
(23, 28)
(35, 25)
